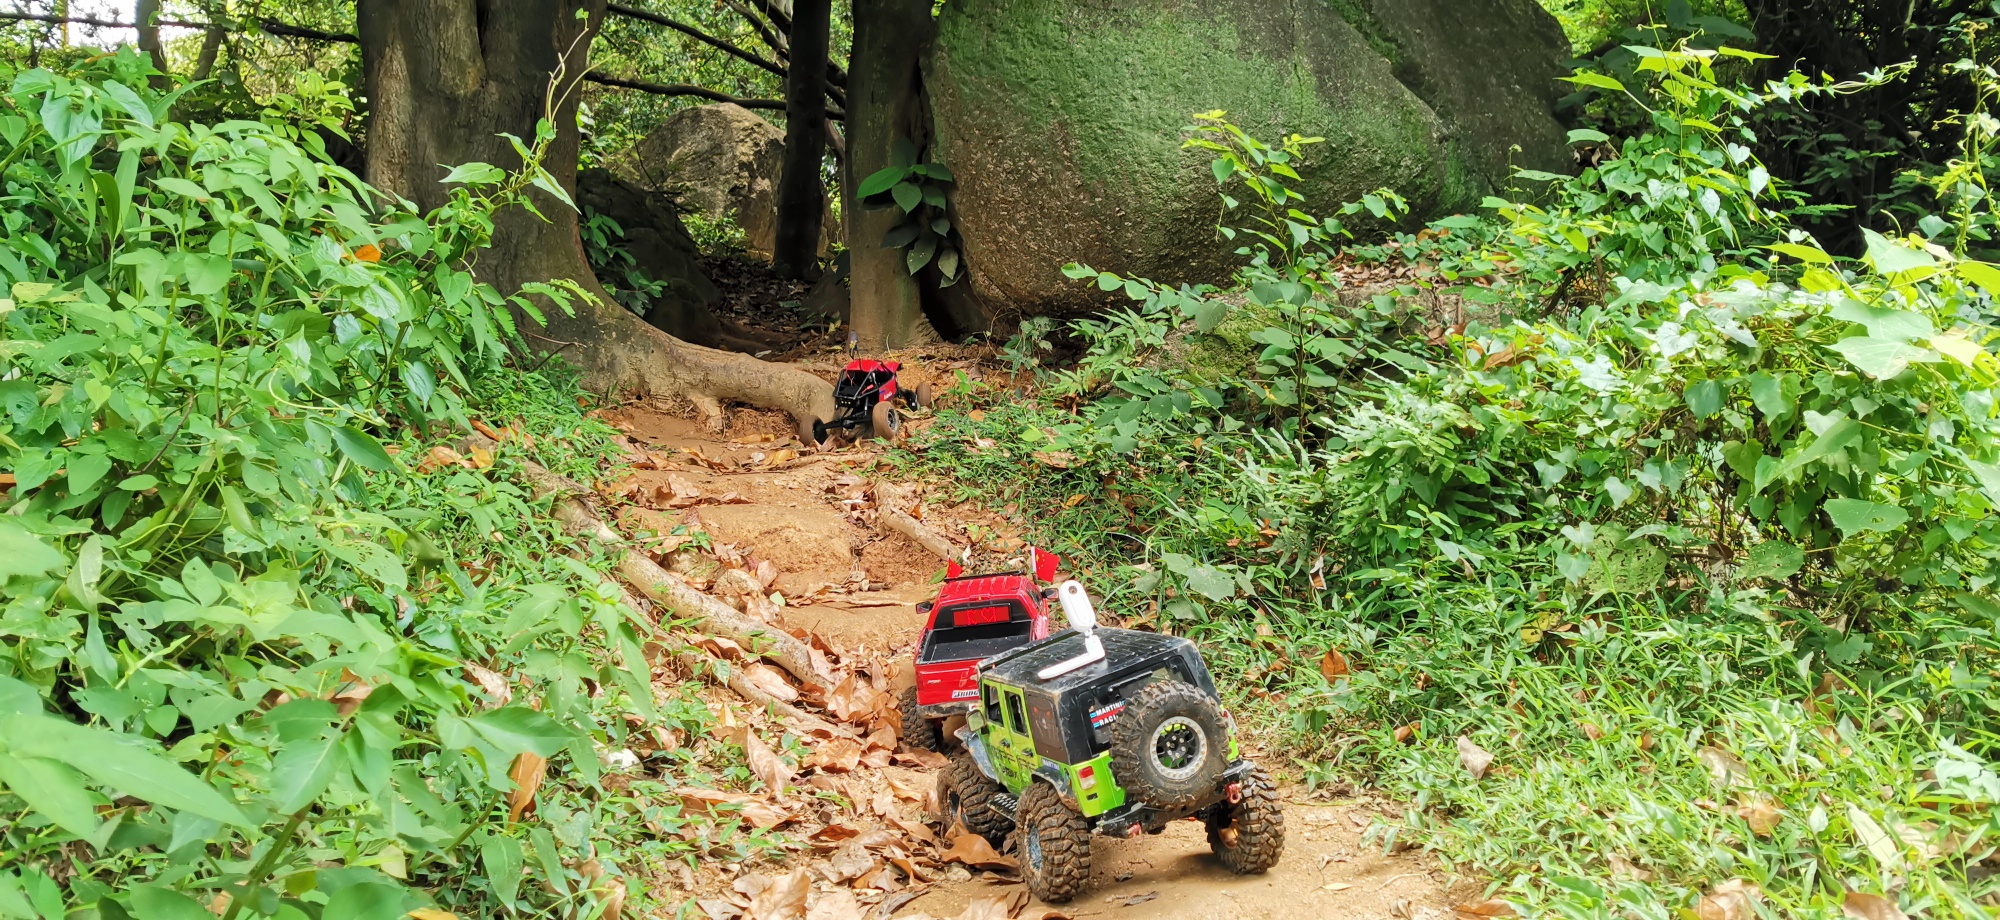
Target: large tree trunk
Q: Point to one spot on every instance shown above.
(147, 14)
(884, 104)
(444, 79)
(801, 197)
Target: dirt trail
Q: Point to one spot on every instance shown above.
(854, 587)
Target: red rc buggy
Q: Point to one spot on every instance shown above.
(973, 618)
(866, 394)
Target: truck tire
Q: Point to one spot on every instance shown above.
(1249, 836)
(1054, 845)
(1168, 748)
(966, 795)
(884, 421)
(918, 732)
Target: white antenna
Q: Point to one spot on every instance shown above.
(1083, 619)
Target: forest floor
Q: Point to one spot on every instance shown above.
(857, 836)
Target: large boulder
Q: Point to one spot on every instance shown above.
(1064, 120)
(720, 160)
(660, 247)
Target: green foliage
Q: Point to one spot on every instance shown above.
(619, 273)
(1690, 523)
(236, 615)
(919, 190)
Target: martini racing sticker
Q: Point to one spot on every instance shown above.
(1098, 717)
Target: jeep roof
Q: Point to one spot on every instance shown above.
(1068, 714)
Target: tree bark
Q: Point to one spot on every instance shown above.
(801, 196)
(444, 79)
(884, 104)
(147, 14)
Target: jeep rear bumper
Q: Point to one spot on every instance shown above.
(1131, 819)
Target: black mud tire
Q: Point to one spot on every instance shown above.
(884, 421)
(966, 797)
(1169, 746)
(1053, 845)
(919, 733)
(1249, 836)
(820, 435)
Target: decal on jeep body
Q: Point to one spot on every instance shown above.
(1098, 717)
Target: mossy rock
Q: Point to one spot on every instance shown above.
(1063, 121)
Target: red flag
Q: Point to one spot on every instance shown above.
(1045, 563)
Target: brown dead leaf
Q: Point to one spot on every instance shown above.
(527, 775)
(750, 808)
(494, 685)
(771, 681)
(1590, 730)
(973, 850)
(1491, 907)
(922, 759)
(766, 765)
(783, 899)
(986, 909)
(915, 830)
(1735, 899)
(480, 458)
(1623, 870)
(1060, 459)
(838, 904)
(1333, 666)
(1473, 757)
(431, 913)
(852, 861)
(440, 457)
(836, 755)
(1862, 906)
(1760, 812)
(1407, 733)
(1724, 769)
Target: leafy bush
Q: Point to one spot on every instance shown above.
(1690, 522)
(235, 640)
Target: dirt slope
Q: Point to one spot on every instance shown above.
(853, 587)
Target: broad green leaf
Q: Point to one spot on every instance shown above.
(908, 195)
(1587, 135)
(23, 553)
(1891, 257)
(423, 385)
(53, 789)
(181, 187)
(1988, 475)
(302, 771)
(1211, 582)
(1210, 314)
(362, 448)
(1984, 274)
(474, 174)
(85, 470)
(1704, 399)
(501, 856)
(124, 765)
(369, 901)
(1881, 358)
(1955, 345)
(1836, 437)
(152, 902)
(880, 181)
(1803, 253)
(1853, 516)
(1586, 78)
(1882, 323)
(514, 729)
(1771, 559)
(1108, 282)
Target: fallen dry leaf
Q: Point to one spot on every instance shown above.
(1590, 730)
(1623, 870)
(1473, 757)
(836, 755)
(440, 457)
(986, 909)
(757, 813)
(838, 904)
(973, 850)
(431, 913)
(480, 458)
(766, 765)
(1491, 907)
(1724, 769)
(527, 775)
(769, 680)
(1407, 733)
(494, 685)
(1732, 900)
(852, 861)
(1761, 813)
(1870, 907)
(1333, 665)
(783, 899)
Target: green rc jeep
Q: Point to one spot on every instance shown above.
(1111, 731)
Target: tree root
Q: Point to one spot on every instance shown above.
(732, 678)
(888, 510)
(662, 586)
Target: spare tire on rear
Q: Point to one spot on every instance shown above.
(1169, 747)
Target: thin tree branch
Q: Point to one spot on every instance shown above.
(772, 38)
(696, 34)
(687, 89)
(268, 26)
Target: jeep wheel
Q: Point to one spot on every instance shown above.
(966, 795)
(918, 732)
(1054, 845)
(1168, 747)
(884, 420)
(1249, 835)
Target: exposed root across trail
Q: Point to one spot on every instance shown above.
(761, 534)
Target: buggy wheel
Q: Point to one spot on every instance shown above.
(919, 732)
(1250, 835)
(966, 795)
(1168, 747)
(885, 420)
(1054, 845)
(925, 397)
(819, 434)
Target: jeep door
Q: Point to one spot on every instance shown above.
(1012, 750)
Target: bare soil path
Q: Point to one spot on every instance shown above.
(802, 523)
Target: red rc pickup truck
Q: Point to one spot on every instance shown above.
(973, 618)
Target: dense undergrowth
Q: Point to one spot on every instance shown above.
(267, 648)
(1684, 521)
